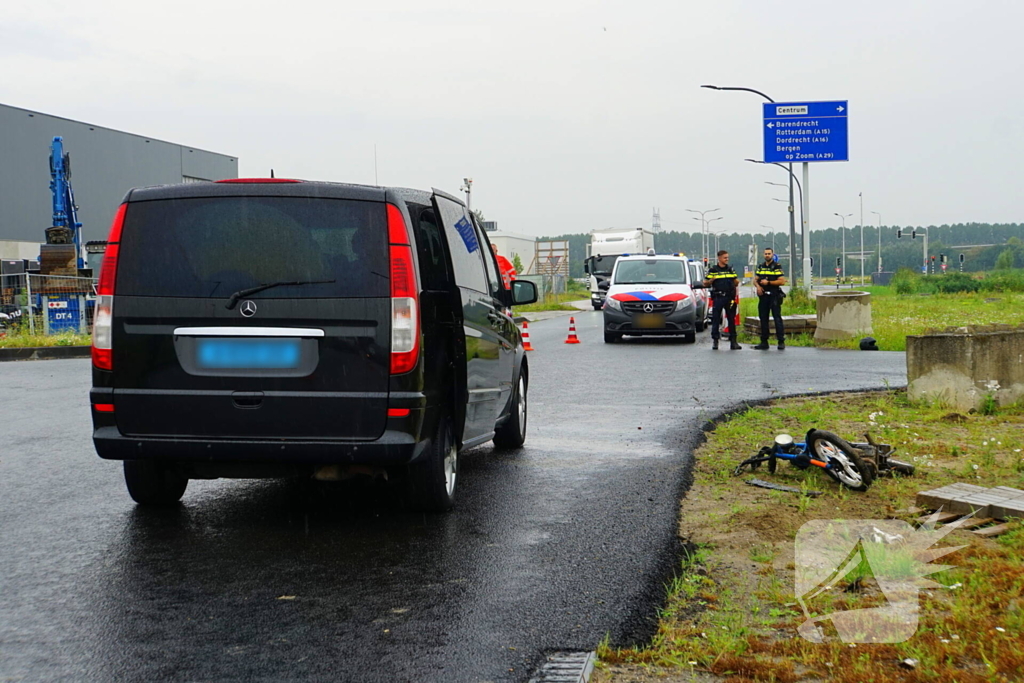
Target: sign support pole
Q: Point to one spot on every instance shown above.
(792, 228)
(28, 294)
(807, 226)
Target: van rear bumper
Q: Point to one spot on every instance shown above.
(394, 447)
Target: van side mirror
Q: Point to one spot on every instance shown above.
(523, 292)
(604, 284)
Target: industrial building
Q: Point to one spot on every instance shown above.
(105, 164)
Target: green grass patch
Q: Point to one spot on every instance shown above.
(732, 613)
(895, 316)
(19, 340)
(553, 302)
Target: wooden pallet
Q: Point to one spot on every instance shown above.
(984, 527)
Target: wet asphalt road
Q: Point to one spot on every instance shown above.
(550, 548)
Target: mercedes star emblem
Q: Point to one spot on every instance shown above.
(248, 308)
(648, 308)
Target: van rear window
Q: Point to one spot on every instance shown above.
(213, 247)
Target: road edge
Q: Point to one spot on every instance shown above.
(45, 353)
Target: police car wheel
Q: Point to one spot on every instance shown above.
(690, 337)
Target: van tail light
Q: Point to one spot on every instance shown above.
(103, 320)
(405, 321)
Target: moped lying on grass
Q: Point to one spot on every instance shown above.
(854, 465)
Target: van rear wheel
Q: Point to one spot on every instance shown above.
(431, 480)
(153, 483)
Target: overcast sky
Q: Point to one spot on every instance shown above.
(568, 115)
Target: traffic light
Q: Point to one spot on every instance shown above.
(961, 258)
(812, 262)
(839, 261)
(913, 234)
(705, 263)
(942, 258)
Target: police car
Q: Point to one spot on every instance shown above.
(653, 295)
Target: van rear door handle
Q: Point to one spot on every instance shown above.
(247, 400)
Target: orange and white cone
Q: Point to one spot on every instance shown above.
(734, 323)
(573, 339)
(526, 336)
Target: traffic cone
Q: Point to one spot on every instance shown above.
(526, 336)
(734, 323)
(573, 339)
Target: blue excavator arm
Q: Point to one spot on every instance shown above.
(65, 212)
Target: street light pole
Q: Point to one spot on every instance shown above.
(792, 214)
(772, 233)
(703, 226)
(861, 194)
(709, 221)
(843, 261)
(879, 240)
(913, 234)
(807, 248)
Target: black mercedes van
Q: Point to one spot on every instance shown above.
(272, 328)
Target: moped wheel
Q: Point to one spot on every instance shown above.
(846, 465)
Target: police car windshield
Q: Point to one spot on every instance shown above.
(650, 272)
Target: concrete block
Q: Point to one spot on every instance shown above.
(941, 497)
(1008, 508)
(842, 315)
(962, 366)
(979, 504)
(1008, 491)
(793, 324)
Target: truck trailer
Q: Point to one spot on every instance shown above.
(605, 247)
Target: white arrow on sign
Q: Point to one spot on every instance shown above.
(839, 108)
(771, 125)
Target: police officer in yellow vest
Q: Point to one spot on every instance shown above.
(724, 283)
(768, 281)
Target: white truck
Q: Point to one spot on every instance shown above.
(605, 247)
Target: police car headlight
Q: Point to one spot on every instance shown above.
(613, 304)
(683, 304)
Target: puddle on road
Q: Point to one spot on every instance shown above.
(541, 448)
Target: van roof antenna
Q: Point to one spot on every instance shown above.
(271, 173)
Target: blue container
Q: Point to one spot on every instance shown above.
(63, 313)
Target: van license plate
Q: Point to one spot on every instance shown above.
(277, 354)
(649, 321)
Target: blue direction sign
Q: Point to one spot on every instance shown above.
(805, 131)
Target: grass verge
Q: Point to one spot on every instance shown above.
(18, 340)
(732, 614)
(554, 302)
(894, 317)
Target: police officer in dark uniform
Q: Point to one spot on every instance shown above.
(768, 281)
(724, 285)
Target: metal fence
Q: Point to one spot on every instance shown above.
(47, 304)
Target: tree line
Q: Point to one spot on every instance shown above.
(985, 246)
